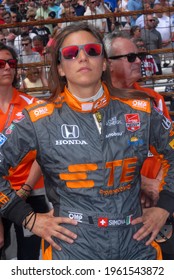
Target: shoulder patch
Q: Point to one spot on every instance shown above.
(40, 109)
(138, 104)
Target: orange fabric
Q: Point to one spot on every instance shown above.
(18, 175)
(46, 250)
(158, 250)
(152, 165)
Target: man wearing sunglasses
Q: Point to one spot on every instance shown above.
(125, 67)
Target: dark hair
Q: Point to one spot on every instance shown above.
(55, 81)
(133, 29)
(14, 55)
(27, 38)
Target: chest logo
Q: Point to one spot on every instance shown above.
(132, 122)
(70, 131)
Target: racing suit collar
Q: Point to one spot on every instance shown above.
(87, 107)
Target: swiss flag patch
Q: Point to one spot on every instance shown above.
(102, 222)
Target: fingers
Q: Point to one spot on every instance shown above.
(53, 228)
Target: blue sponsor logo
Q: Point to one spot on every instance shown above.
(2, 139)
(134, 141)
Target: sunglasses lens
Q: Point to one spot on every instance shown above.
(12, 63)
(131, 57)
(2, 63)
(70, 52)
(93, 49)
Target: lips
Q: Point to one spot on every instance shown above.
(84, 69)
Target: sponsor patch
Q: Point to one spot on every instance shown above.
(166, 123)
(105, 222)
(140, 104)
(134, 141)
(40, 111)
(10, 129)
(2, 139)
(102, 222)
(114, 134)
(132, 122)
(19, 117)
(171, 144)
(113, 121)
(75, 216)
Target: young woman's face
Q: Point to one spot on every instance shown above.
(83, 70)
(7, 70)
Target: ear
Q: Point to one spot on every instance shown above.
(104, 65)
(60, 70)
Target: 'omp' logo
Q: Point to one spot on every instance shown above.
(40, 111)
(76, 216)
(139, 104)
(70, 131)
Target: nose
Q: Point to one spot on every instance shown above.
(82, 55)
(7, 66)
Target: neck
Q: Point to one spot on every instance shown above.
(118, 83)
(84, 92)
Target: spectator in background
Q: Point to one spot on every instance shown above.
(122, 7)
(22, 10)
(166, 30)
(27, 55)
(148, 64)
(42, 31)
(79, 9)
(30, 16)
(54, 8)
(134, 5)
(135, 32)
(10, 33)
(152, 39)
(7, 17)
(140, 21)
(43, 11)
(91, 9)
(2, 38)
(24, 32)
(66, 14)
(34, 78)
(38, 45)
(2, 9)
(65, 4)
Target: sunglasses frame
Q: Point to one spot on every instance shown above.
(9, 63)
(80, 47)
(128, 56)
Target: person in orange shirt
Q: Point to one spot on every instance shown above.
(125, 67)
(12, 102)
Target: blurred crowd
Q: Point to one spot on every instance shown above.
(150, 32)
